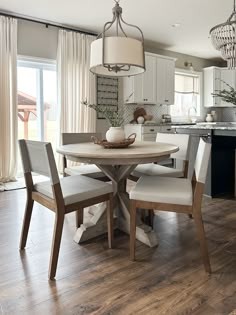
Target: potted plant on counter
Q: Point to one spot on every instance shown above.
(115, 119)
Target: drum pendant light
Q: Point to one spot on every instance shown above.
(117, 55)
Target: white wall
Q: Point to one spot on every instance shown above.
(198, 63)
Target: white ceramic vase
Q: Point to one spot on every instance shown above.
(209, 118)
(140, 120)
(115, 134)
(214, 115)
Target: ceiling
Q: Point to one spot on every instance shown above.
(154, 17)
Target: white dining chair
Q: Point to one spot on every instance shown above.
(180, 195)
(89, 170)
(151, 169)
(62, 196)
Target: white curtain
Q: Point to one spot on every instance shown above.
(75, 82)
(8, 99)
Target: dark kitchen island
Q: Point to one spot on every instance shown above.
(221, 171)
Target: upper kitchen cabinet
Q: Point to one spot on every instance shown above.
(142, 88)
(155, 85)
(165, 81)
(214, 79)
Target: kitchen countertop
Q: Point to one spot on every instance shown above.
(195, 126)
(207, 126)
(163, 124)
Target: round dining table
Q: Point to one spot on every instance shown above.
(117, 164)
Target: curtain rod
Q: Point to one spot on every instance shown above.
(45, 22)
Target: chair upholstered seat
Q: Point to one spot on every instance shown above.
(151, 169)
(75, 188)
(89, 170)
(163, 190)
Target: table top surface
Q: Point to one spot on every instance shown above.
(138, 151)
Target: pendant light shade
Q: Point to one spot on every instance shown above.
(117, 55)
(223, 37)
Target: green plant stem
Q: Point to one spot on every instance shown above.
(115, 118)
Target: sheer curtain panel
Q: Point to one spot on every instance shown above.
(75, 82)
(8, 99)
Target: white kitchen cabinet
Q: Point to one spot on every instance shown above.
(142, 88)
(143, 133)
(145, 89)
(213, 77)
(228, 76)
(146, 132)
(165, 81)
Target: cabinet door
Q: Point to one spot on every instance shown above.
(228, 76)
(165, 81)
(149, 80)
(161, 66)
(138, 88)
(128, 90)
(170, 82)
(211, 84)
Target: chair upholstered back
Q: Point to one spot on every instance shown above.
(38, 157)
(202, 161)
(181, 140)
(71, 138)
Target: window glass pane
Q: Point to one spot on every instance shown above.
(37, 88)
(27, 120)
(50, 106)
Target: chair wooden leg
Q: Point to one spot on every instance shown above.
(57, 233)
(79, 217)
(110, 220)
(132, 229)
(26, 222)
(203, 244)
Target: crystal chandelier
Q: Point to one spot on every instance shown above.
(223, 37)
(117, 55)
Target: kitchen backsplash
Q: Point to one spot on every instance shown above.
(154, 110)
(229, 114)
(158, 110)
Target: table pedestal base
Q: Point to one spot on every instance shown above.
(95, 218)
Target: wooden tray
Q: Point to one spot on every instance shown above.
(115, 145)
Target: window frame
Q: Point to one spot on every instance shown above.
(200, 75)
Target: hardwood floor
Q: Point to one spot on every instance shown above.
(92, 279)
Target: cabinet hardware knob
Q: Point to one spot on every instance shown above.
(152, 130)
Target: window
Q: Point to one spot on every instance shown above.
(37, 100)
(187, 95)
